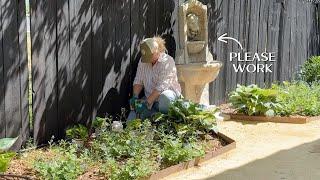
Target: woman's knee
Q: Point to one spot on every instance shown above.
(165, 100)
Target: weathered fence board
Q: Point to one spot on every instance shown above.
(13, 72)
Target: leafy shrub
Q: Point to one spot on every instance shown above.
(298, 98)
(252, 100)
(77, 132)
(310, 71)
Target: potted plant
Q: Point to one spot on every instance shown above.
(78, 133)
(5, 156)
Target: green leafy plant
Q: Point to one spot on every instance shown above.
(6, 157)
(78, 132)
(65, 165)
(310, 71)
(252, 100)
(186, 119)
(298, 98)
(175, 151)
(100, 123)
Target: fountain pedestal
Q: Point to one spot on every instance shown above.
(194, 62)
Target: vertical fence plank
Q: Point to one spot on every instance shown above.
(11, 65)
(44, 62)
(13, 72)
(24, 76)
(63, 56)
(2, 83)
(98, 6)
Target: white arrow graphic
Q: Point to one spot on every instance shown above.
(224, 37)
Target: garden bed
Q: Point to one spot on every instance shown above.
(138, 149)
(229, 145)
(277, 119)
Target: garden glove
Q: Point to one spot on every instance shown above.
(141, 107)
(132, 102)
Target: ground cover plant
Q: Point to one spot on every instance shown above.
(285, 99)
(141, 149)
(298, 98)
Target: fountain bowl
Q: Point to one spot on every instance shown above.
(198, 73)
(194, 76)
(195, 47)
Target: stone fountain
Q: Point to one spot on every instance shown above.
(195, 65)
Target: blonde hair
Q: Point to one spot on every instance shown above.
(161, 43)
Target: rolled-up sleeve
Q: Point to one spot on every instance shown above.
(139, 75)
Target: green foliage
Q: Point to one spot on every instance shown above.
(130, 154)
(186, 119)
(298, 98)
(175, 151)
(77, 132)
(252, 100)
(5, 159)
(310, 71)
(64, 167)
(100, 123)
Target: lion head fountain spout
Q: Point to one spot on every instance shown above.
(195, 63)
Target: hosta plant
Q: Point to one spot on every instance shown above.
(252, 100)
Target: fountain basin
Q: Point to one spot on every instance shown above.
(195, 46)
(194, 76)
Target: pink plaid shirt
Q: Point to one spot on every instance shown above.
(161, 76)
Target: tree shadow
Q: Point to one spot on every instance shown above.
(13, 72)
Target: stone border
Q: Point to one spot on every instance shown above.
(195, 162)
(277, 119)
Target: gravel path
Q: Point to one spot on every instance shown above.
(265, 151)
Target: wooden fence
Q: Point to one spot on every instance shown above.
(13, 71)
(85, 53)
(290, 28)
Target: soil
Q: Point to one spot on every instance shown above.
(265, 151)
(227, 109)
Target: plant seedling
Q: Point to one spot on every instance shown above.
(78, 133)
